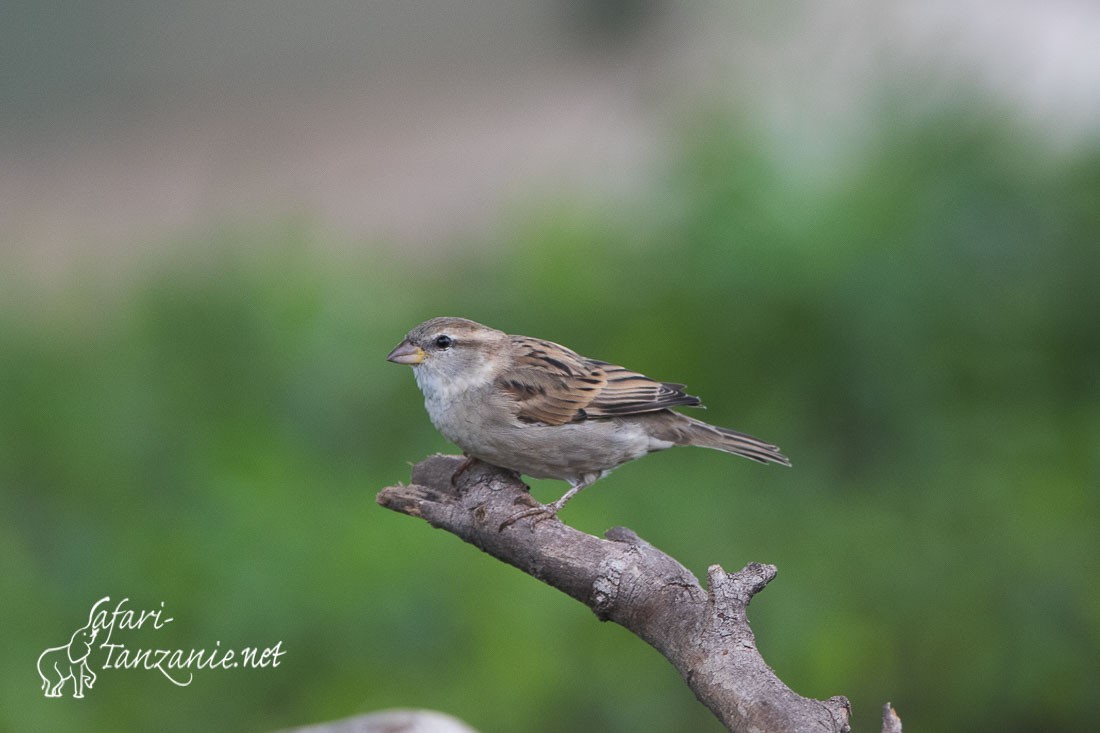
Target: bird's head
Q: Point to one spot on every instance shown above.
(452, 351)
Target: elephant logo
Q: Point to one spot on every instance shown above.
(57, 665)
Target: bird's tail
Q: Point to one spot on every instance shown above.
(703, 434)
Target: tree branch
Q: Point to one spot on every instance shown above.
(704, 633)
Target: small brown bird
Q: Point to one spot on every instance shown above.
(540, 409)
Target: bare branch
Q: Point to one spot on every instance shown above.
(703, 632)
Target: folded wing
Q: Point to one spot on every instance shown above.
(554, 385)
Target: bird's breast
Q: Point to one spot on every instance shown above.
(468, 415)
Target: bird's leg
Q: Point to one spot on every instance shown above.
(546, 511)
(470, 461)
(462, 468)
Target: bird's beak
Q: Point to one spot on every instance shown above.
(406, 353)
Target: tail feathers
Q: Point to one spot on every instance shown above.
(711, 436)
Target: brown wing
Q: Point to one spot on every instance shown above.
(554, 385)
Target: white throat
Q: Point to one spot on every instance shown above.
(439, 389)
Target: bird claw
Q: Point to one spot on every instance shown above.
(462, 468)
(542, 512)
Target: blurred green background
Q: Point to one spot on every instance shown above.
(202, 415)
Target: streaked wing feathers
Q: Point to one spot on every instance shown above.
(553, 385)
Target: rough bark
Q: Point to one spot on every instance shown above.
(704, 632)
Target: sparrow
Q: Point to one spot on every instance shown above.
(540, 409)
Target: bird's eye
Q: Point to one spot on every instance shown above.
(444, 342)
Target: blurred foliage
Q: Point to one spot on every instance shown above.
(919, 332)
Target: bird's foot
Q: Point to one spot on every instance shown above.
(462, 468)
(470, 461)
(541, 513)
(548, 511)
